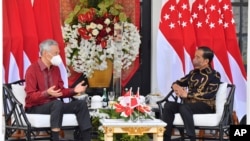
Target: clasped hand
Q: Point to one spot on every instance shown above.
(179, 91)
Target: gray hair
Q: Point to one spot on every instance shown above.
(46, 45)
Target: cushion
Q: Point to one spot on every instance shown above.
(43, 120)
(19, 93)
(209, 119)
(221, 98)
(40, 120)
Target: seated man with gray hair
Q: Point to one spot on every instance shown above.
(44, 86)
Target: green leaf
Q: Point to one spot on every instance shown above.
(105, 4)
(73, 14)
(118, 6)
(123, 17)
(114, 11)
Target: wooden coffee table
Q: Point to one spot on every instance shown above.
(154, 126)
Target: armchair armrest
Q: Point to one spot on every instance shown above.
(14, 113)
(227, 116)
(166, 99)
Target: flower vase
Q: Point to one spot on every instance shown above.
(101, 78)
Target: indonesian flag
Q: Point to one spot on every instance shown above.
(170, 51)
(30, 40)
(6, 43)
(58, 36)
(15, 70)
(235, 59)
(43, 21)
(46, 13)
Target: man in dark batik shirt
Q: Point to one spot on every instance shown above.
(197, 89)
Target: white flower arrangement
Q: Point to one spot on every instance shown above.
(86, 56)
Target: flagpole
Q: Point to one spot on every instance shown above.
(130, 96)
(138, 94)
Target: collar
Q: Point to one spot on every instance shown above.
(205, 70)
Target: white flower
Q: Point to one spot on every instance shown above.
(88, 27)
(86, 56)
(107, 21)
(92, 25)
(108, 29)
(95, 32)
(100, 26)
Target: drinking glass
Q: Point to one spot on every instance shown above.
(111, 95)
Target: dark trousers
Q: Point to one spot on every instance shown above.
(57, 108)
(186, 111)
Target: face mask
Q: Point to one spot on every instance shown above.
(56, 60)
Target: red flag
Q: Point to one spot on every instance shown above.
(43, 21)
(170, 51)
(57, 35)
(189, 40)
(215, 24)
(203, 35)
(6, 43)
(56, 25)
(209, 32)
(170, 28)
(30, 40)
(47, 19)
(16, 56)
(235, 59)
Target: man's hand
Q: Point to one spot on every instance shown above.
(179, 91)
(54, 93)
(80, 88)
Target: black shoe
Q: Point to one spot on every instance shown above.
(192, 138)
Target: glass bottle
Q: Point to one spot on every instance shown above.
(104, 98)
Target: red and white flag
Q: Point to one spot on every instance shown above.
(58, 36)
(44, 14)
(202, 33)
(15, 71)
(189, 40)
(6, 43)
(170, 51)
(30, 40)
(235, 59)
(209, 32)
(215, 24)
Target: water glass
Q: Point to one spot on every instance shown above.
(111, 95)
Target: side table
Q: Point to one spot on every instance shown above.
(154, 126)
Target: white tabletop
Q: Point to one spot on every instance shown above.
(122, 122)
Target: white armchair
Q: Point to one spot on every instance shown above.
(16, 119)
(220, 120)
